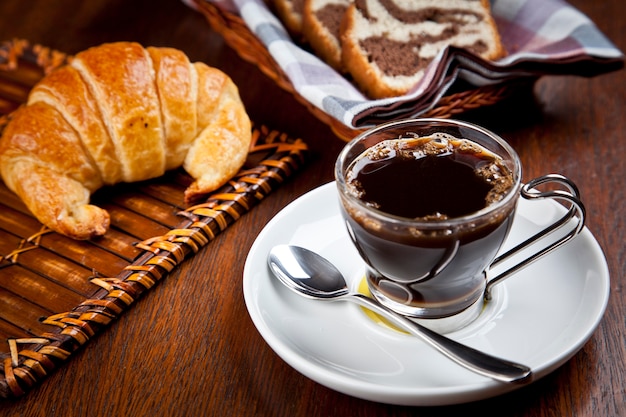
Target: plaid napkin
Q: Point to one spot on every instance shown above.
(542, 37)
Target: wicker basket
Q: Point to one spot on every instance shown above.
(239, 37)
(57, 293)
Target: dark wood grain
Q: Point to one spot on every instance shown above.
(201, 355)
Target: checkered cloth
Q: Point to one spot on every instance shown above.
(542, 37)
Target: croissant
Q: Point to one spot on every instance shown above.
(120, 112)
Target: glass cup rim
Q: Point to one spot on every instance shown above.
(435, 223)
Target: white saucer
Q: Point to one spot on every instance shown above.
(540, 317)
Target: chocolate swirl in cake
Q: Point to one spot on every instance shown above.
(388, 44)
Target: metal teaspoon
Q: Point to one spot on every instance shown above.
(310, 275)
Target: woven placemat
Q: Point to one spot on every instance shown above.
(56, 293)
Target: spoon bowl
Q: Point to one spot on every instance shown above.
(307, 273)
(312, 276)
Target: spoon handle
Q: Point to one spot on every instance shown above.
(472, 359)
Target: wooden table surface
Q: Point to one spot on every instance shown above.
(203, 356)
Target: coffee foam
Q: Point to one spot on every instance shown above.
(492, 169)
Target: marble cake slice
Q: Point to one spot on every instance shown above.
(387, 44)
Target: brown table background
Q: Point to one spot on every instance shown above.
(203, 356)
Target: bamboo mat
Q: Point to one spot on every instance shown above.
(56, 293)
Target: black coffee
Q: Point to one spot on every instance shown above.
(431, 180)
(438, 177)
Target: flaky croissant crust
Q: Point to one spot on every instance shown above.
(120, 113)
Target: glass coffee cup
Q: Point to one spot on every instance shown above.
(428, 204)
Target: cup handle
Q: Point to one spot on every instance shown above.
(529, 192)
